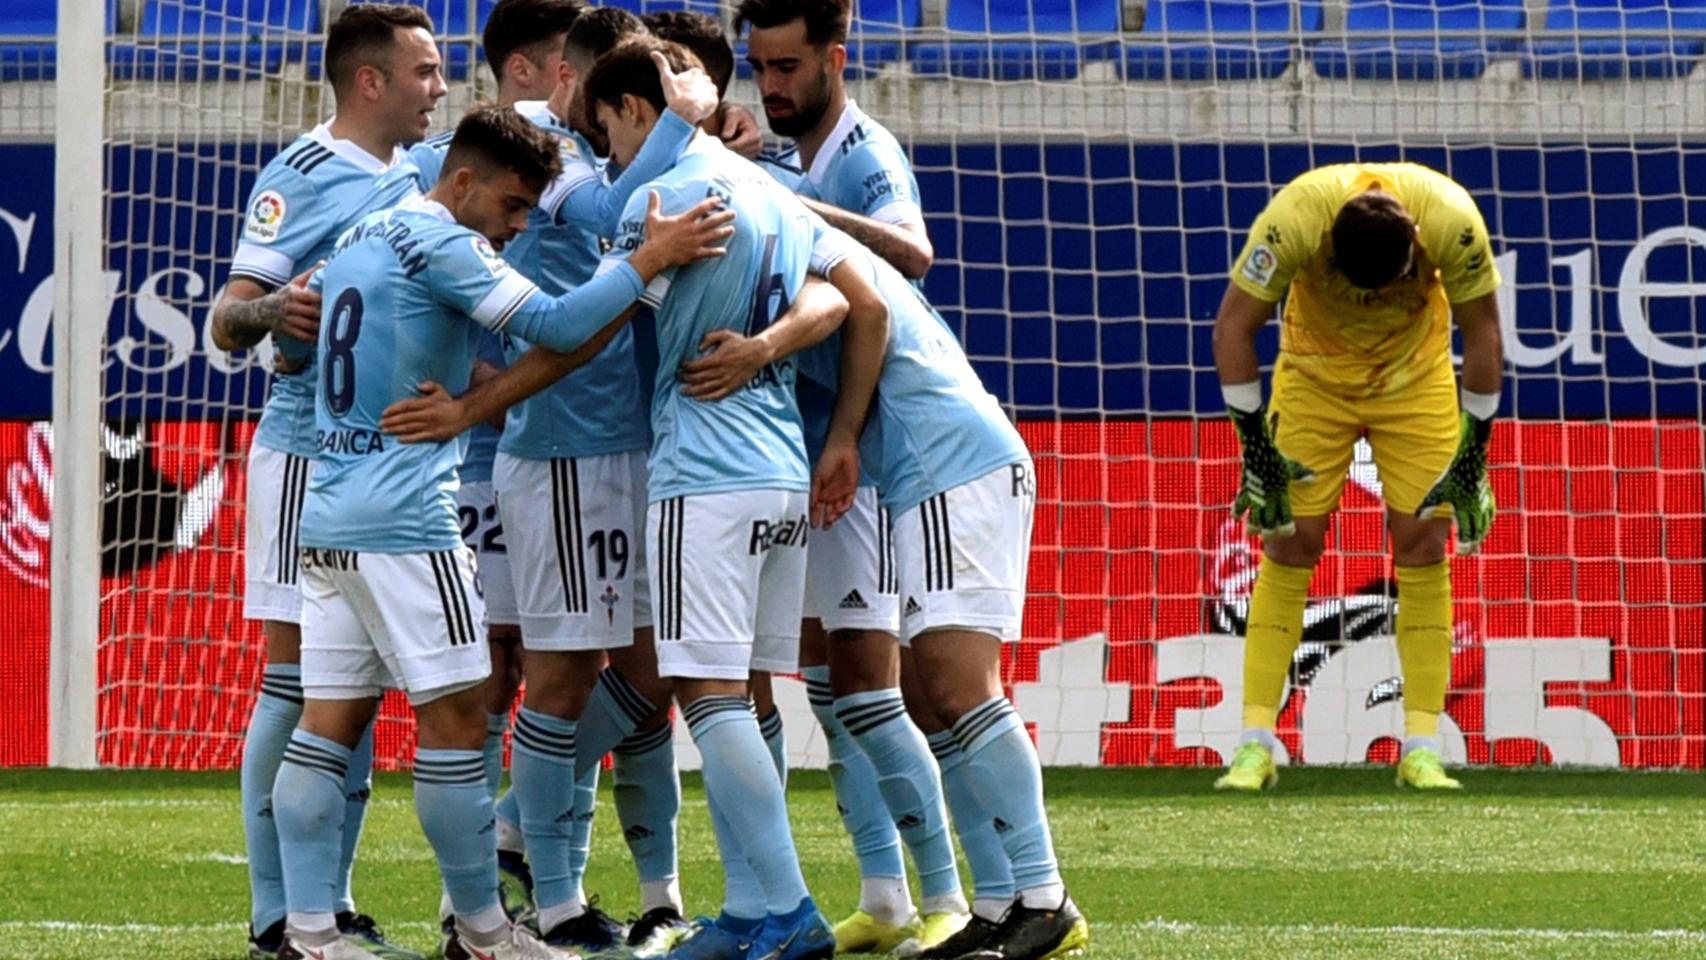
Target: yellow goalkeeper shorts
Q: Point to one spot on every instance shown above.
(1414, 433)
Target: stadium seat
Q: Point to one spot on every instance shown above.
(1560, 53)
(202, 39)
(27, 31)
(1019, 39)
(874, 38)
(1404, 41)
(1198, 40)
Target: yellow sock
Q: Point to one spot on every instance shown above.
(1424, 644)
(1270, 639)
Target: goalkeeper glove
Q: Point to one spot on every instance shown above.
(1264, 492)
(1464, 486)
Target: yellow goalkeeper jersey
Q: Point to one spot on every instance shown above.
(1360, 343)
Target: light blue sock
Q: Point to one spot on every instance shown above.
(1003, 770)
(743, 783)
(456, 814)
(580, 835)
(648, 800)
(910, 783)
(991, 871)
(509, 805)
(743, 894)
(876, 844)
(776, 742)
(613, 712)
(543, 783)
(358, 787)
(276, 711)
(497, 724)
(308, 806)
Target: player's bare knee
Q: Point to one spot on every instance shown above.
(455, 721)
(284, 641)
(1418, 543)
(1303, 548)
(814, 643)
(863, 660)
(560, 681)
(688, 690)
(341, 721)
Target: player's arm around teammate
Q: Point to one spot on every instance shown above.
(1377, 259)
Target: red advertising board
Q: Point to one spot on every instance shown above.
(1601, 535)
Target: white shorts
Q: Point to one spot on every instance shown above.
(577, 556)
(851, 583)
(377, 621)
(277, 484)
(483, 532)
(731, 572)
(963, 556)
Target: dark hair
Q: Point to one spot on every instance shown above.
(495, 138)
(700, 33)
(826, 20)
(1372, 237)
(598, 30)
(629, 69)
(363, 34)
(528, 26)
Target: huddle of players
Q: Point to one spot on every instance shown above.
(795, 381)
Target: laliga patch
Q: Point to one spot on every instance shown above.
(490, 257)
(1260, 265)
(266, 217)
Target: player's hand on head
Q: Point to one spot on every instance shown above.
(1465, 487)
(741, 132)
(433, 417)
(727, 362)
(690, 93)
(299, 308)
(834, 482)
(695, 234)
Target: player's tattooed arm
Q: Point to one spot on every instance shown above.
(728, 360)
(907, 248)
(248, 312)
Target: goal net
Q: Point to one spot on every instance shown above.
(1088, 171)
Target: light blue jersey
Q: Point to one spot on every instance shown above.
(935, 426)
(399, 293)
(861, 168)
(598, 409)
(751, 440)
(305, 198)
(483, 439)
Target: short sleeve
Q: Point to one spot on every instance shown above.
(468, 276)
(829, 247)
(1462, 248)
(578, 171)
(1281, 240)
(876, 181)
(428, 158)
(283, 223)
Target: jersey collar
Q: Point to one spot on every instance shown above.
(421, 203)
(850, 117)
(346, 149)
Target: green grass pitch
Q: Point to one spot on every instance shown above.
(113, 865)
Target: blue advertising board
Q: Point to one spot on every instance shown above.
(1083, 278)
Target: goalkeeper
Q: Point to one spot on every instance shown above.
(1379, 260)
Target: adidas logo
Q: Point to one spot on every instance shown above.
(564, 817)
(584, 817)
(909, 822)
(912, 606)
(636, 832)
(853, 601)
(1002, 826)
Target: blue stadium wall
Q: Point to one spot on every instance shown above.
(1083, 279)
